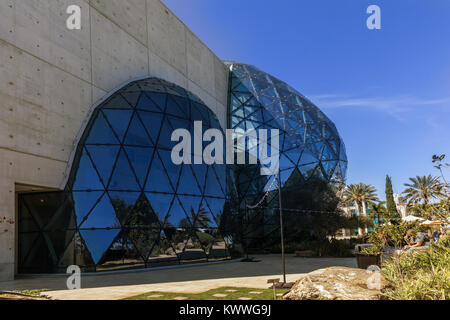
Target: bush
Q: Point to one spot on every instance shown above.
(325, 248)
(421, 275)
(393, 233)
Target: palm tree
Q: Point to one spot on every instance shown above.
(378, 210)
(360, 194)
(201, 218)
(422, 189)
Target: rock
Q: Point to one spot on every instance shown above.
(169, 252)
(338, 283)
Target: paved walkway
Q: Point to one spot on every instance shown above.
(186, 279)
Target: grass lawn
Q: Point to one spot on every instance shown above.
(23, 295)
(225, 293)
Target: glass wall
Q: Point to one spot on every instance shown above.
(310, 147)
(126, 204)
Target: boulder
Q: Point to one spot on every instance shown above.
(338, 283)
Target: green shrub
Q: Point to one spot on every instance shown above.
(420, 275)
(394, 234)
(325, 248)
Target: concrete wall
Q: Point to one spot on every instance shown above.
(50, 77)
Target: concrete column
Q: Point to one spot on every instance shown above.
(7, 230)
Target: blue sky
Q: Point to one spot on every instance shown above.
(388, 90)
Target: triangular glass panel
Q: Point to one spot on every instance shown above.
(337, 175)
(198, 114)
(285, 163)
(234, 103)
(308, 170)
(191, 206)
(152, 122)
(104, 158)
(145, 103)
(188, 184)
(285, 176)
(114, 257)
(177, 123)
(221, 174)
(86, 177)
(123, 177)
(136, 134)
(123, 203)
(329, 166)
(101, 132)
(117, 101)
(294, 155)
(131, 97)
(140, 159)
(84, 202)
(174, 109)
(239, 112)
(159, 99)
(143, 215)
(144, 239)
(179, 91)
(102, 216)
(119, 120)
(160, 203)
(307, 157)
(200, 175)
(98, 241)
(177, 218)
(164, 140)
(212, 187)
(172, 169)
(215, 207)
(296, 179)
(157, 179)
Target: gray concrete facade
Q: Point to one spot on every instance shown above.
(50, 77)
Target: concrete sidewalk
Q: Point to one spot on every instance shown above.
(187, 279)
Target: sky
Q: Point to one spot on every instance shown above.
(387, 91)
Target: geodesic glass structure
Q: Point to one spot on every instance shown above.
(309, 143)
(126, 204)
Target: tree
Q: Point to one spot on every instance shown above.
(391, 207)
(310, 211)
(201, 218)
(378, 211)
(422, 189)
(360, 194)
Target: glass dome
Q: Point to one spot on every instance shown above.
(310, 145)
(309, 142)
(126, 203)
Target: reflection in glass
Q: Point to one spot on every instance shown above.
(126, 205)
(310, 146)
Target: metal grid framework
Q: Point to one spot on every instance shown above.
(310, 145)
(126, 203)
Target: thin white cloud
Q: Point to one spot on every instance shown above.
(394, 106)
